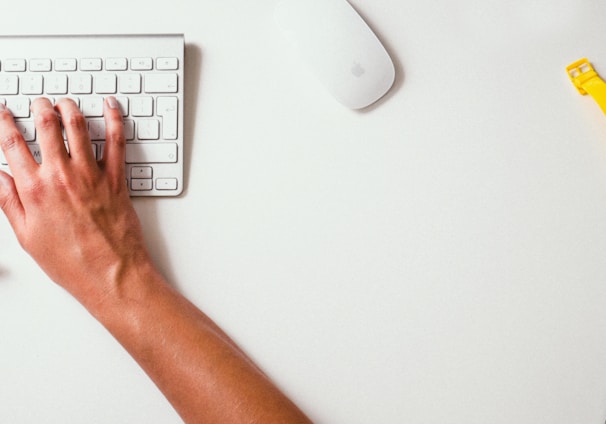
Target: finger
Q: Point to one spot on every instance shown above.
(17, 154)
(76, 130)
(10, 202)
(48, 130)
(113, 156)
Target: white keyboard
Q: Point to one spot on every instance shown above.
(143, 72)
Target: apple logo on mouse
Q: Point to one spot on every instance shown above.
(357, 70)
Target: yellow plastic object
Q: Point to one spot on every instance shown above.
(587, 81)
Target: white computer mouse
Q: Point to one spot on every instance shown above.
(339, 47)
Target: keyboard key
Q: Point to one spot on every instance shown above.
(81, 84)
(148, 129)
(65, 64)
(55, 83)
(19, 106)
(141, 172)
(116, 64)
(40, 65)
(167, 64)
(166, 184)
(92, 106)
(9, 84)
(151, 152)
(129, 83)
(140, 184)
(90, 64)
(166, 107)
(142, 106)
(161, 83)
(28, 130)
(105, 84)
(31, 84)
(129, 129)
(14, 65)
(141, 64)
(123, 102)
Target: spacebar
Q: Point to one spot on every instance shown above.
(151, 153)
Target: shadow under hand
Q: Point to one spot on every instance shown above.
(4, 273)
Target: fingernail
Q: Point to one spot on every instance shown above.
(112, 102)
(2, 107)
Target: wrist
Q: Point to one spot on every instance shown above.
(126, 287)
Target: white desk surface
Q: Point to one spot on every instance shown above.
(438, 258)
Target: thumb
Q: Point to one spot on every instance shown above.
(10, 202)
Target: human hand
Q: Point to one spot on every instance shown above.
(71, 213)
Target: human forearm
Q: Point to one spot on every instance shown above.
(195, 364)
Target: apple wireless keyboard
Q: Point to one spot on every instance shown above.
(143, 72)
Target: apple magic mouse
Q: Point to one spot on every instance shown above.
(339, 47)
